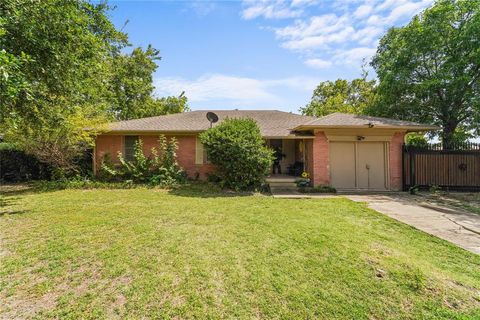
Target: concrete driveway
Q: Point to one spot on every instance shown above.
(459, 227)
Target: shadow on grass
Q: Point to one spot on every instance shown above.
(9, 202)
(3, 213)
(14, 189)
(198, 189)
(192, 189)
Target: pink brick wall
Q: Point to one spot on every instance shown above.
(112, 144)
(317, 156)
(395, 156)
(107, 144)
(321, 158)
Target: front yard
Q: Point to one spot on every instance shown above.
(147, 253)
(467, 201)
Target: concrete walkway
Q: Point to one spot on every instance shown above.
(459, 227)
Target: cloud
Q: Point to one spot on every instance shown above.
(318, 63)
(242, 91)
(318, 32)
(354, 56)
(347, 31)
(202, 8)
(362, 11)
(274, 9)
(406, 10)
(367, 35)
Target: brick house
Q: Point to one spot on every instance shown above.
(343, 150)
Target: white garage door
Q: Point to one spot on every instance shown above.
(358, 165)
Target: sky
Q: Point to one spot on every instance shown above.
(267, 54)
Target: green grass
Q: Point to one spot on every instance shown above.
(456, 200)
(148, 253)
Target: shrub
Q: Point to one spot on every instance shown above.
(318, 189)
(238, 151)
(161, 168)
(16, 165)
(416, 140)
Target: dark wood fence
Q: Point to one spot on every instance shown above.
(453, 167)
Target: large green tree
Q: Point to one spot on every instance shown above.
(429, 70)
(133, 88)
(63, 69)
(340, 96)
(59, 51)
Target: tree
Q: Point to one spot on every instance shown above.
(416, 140)
(59, 52)
(340, 96)
(429, 70)
(132, 87)
(167, 105)
(238, 139)
(62, 69)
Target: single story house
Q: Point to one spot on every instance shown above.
(343, 150)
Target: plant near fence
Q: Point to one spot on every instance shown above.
(160, 168)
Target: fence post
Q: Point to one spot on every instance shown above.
(412, 168)
(404, 171)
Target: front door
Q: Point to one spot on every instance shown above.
(277, 146)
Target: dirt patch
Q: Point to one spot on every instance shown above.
(25, 303)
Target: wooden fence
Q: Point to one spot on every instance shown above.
(454, 167)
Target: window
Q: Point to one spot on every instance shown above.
(129, 147)
(200, 153)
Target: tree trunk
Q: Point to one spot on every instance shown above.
(449, 128)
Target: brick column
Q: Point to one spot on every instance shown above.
(395, 160)
(321, 159)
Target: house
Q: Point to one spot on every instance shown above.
(343, 150)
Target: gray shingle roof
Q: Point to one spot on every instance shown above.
(352, 120)
(272, 123)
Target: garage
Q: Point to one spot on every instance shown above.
(359, 165)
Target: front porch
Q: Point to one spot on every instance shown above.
(282, 183)
(292, 158)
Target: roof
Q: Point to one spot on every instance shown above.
(272, 123)
(346, 120)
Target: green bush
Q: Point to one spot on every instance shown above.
(238, 151)
(318, 189)
(416, 140)
(16, 165)
(159, 169)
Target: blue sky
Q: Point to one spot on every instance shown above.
(258, 54)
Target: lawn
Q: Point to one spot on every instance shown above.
(467, 201)
(148, 253)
